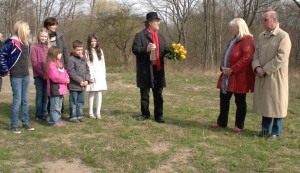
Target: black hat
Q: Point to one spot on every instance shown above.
(151, 16)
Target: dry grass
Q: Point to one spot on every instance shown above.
(119, 143)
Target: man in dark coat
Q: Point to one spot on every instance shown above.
(150, 73)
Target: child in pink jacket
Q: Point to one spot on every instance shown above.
(57, 80)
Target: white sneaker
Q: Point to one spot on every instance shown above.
(92, 116)
(98, 116)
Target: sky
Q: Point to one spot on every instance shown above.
(138, 7)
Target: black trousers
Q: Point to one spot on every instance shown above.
(158, 102)
(241, 109)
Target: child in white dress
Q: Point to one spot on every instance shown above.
(97, 68)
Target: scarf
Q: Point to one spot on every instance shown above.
(225, 78)
(155, 40)
(52, 34)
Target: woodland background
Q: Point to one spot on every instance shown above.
(200, 25)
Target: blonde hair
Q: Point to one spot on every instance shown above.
(21, 30)
(38, 36)
(242, 26)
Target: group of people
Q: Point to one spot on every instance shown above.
(261, 68)
(55, 74)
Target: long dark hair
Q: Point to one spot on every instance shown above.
(97, 48)
(51, 56)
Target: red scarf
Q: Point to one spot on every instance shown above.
(156, 42)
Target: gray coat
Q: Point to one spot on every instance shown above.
(143, 63)
(60, 42)
(78, 71)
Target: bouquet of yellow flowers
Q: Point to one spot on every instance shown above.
(177, 52)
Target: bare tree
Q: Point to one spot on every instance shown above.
(120, 26)
(174, 13)
(10, 13)
(42, 9)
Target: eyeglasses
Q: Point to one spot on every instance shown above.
(265, 20)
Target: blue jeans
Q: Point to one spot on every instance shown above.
(41, 98)
(76, 101)
(20, 88)
(55, 109)
(0, 82)
(275, 128)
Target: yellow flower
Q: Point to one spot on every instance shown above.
(173, 45)
(185, 52)
(181, 47)
(176, 51)
(178, 45)
(182, 57)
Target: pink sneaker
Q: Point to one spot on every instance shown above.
(59, 124)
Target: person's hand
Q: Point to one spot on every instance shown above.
(226, 71)
(68, 81)
(260, 71)
(82, 83)
(150, 47)
(86, 83)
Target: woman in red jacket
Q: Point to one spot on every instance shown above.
(237, 76)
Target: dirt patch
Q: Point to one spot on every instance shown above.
(75, 166)
(222, 170)
(121, 84)
(159, 148)
(289, 151)
(176, 163)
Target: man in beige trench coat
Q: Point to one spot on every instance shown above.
(270, 63)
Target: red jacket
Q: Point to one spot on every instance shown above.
(242, 77)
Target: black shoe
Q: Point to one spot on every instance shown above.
(143, 117)
(272, 138)
(43, 119)
(160, 120)
(28, 127)
(263, 133)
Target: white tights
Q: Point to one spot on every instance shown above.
(91, 102)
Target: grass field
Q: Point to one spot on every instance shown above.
(119, 143)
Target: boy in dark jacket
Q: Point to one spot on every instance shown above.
(79, 76)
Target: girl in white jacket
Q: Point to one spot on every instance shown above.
(97, 68)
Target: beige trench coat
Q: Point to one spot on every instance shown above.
(272, 52)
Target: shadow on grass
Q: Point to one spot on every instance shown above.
(187, 123)
(5, 116)
(118, 113)
(206, 125)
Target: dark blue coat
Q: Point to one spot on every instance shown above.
(10, 53)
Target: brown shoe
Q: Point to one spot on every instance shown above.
(236, 130)
(216, 126)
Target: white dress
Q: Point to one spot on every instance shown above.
(97, 72)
